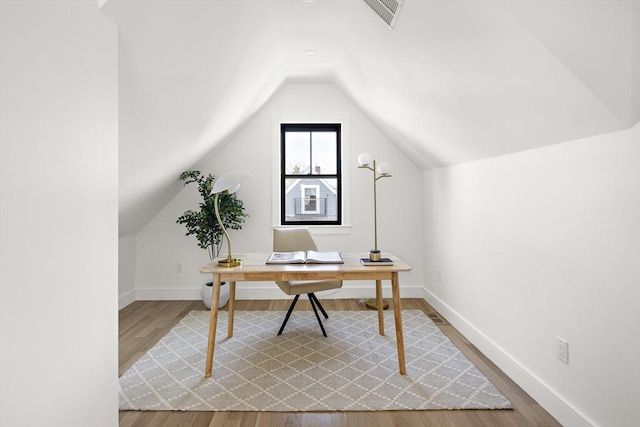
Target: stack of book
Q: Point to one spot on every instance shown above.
(383, 261)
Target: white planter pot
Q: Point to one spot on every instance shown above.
(207, 291)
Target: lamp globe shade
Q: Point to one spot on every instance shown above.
(364, 159)
(384, 168)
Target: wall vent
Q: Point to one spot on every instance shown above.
(386, 9)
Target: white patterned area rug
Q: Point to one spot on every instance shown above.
(354, 369)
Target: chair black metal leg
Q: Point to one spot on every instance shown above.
(286, 318)
(311, 298)
(312, 295)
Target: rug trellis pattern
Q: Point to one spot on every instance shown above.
(354, 369)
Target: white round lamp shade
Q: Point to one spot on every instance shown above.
(384, 168)
(364, 159)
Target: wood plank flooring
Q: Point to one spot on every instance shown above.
(143, 323)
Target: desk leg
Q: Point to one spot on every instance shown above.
(213, 324)
(395, 288)
(380, 304)
(232, 303)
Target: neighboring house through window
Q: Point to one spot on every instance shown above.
(310, 174)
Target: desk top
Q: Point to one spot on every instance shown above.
(255, 268)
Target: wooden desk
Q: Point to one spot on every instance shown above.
(254, 268)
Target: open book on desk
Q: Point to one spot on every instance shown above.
(305, 257)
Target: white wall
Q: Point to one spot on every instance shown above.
(58, 222)
(126, 271)
(543, 243)
(162, 243)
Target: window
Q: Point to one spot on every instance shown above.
(310, 178)
(310, 195)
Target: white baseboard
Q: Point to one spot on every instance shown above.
(126, 299)
(561, 410)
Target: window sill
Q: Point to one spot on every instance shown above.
(321, 229)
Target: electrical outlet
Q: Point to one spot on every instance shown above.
(562, 350)
(178, 267)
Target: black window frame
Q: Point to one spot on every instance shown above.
(311, 127)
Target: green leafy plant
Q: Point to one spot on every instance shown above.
(203, 223)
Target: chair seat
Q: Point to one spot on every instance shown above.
(300, 239)
(305, 286)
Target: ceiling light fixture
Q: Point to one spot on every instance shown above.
(308, 2)
(310, 52)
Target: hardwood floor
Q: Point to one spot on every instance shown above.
(143, 323)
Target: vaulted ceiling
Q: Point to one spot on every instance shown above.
(453, 81)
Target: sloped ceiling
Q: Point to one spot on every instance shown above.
(454, 81)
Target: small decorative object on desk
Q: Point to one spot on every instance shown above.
(383, 261)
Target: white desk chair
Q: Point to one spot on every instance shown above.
(300, 239)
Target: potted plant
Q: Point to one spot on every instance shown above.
(204, 226)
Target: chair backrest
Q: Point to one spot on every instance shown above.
(293, 239)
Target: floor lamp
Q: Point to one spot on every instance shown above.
(229, 182)
(379, 172)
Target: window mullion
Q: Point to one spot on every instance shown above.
(310, 152)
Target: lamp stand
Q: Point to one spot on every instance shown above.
(229, 261)
(374, 254)
(372, 304)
